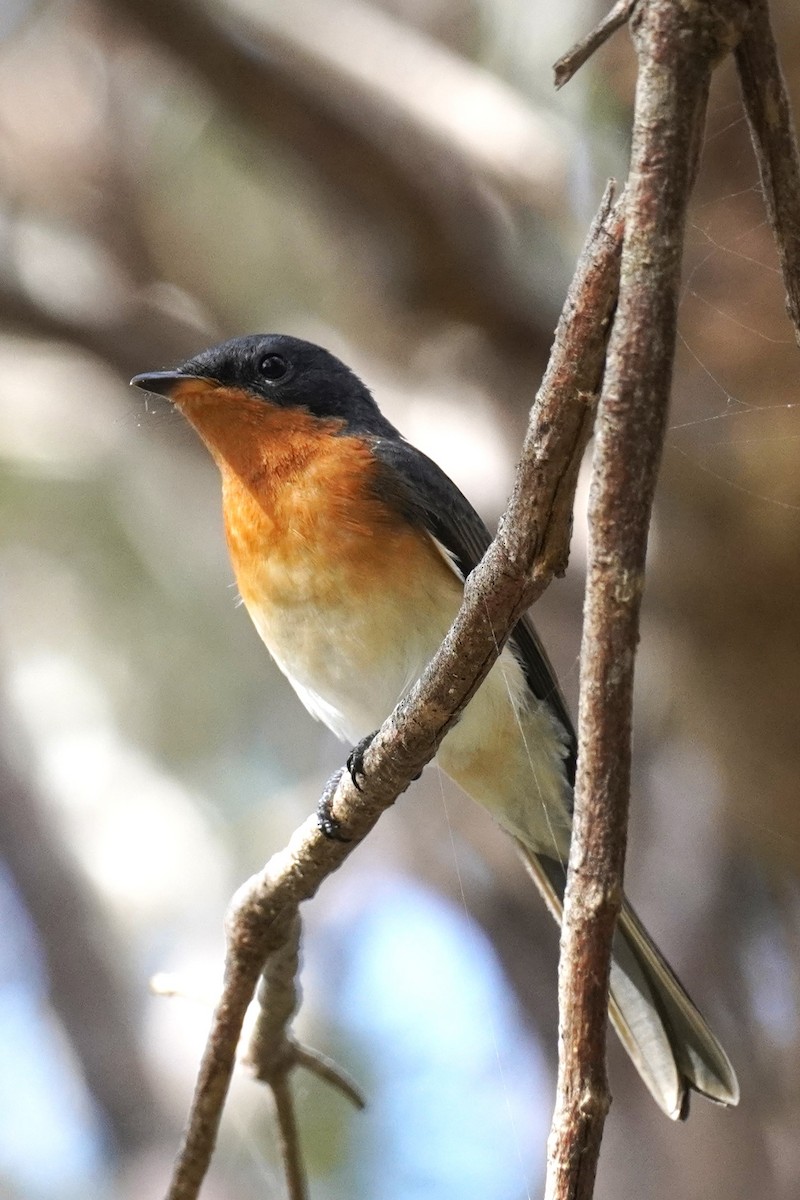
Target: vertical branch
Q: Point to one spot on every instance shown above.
(677, 45)
(271, 1050)
(769, 115)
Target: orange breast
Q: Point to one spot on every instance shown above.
(298, 496)
(311, 524)
(350, 599)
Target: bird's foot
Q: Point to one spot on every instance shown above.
(327, 823)
(355, 760)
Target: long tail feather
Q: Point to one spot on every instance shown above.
(663, 1031)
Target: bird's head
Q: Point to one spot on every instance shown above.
(261, 373)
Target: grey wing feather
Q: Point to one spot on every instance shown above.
(425, 494)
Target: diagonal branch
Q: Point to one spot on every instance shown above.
(531, 546)
(84, 967)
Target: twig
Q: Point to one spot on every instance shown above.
(583, 50)
(772, 130)
(296, 1183)
(677, 45)
(278, 997)
(325, 1068)
(273, 1053)
(531, 546)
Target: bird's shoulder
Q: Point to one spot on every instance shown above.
(411, 482)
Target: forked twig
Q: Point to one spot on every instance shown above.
(273, 1054)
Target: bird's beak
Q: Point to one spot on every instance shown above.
(164, 383)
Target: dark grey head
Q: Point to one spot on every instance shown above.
(284, 371)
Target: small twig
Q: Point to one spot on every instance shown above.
(271, 1051)
(772, 130)
(531, 546)
(583, 50)
(296, 1182)
(677, 45)
(325, 1068)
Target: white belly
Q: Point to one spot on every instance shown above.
(351, 658)
(351, 653)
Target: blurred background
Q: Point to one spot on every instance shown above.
(398, 181)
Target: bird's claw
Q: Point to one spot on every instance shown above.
(355, 761)
(329, 825)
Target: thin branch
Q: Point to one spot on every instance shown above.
(531, 546)
(677, 45)
(143, 332)
(273, 1053)
(278, 997)
(583, 50)
(772, 129)
(296, 1182)
(325, 1068)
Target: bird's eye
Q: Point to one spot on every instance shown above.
(273, 367)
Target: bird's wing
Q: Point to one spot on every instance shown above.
(412, 482)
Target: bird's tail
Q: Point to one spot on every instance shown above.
(662, 1030)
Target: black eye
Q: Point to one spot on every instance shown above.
(273, 368)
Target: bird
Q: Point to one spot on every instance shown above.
(350, 548)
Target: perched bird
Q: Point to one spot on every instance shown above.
(350, 548)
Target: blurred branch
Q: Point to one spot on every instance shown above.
(82, 270)
(86, 988)
(425, 141)
(677, 47)
(531, 546)
(140, 333)
(769, 115)
(470, 125)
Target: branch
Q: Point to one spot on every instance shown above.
(677, 46)
(134, 330)
(531, 546)
(769, 115)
